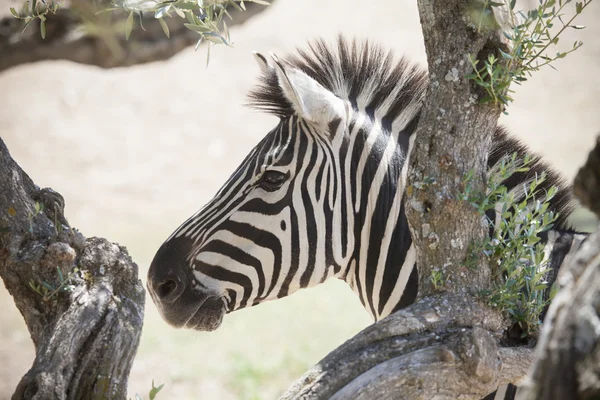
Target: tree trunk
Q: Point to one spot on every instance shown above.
(81, 298)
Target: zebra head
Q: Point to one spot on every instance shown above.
(297, 208)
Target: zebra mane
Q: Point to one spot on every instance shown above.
(369, 77)
(358, 71)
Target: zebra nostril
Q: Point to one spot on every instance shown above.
(166, 289)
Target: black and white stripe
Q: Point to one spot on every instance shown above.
(347, 121)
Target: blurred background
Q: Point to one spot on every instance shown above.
(137, 150)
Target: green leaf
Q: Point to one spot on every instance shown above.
(161, 11)
(180, 13)
(14, 13)
(236, 6)
(198, 43)
(505, 55)
(190, 17)
(42, 30)
(129, 25)
(577, 26)
(198, 28)
(60, 274)
(154, 391)
(141, 15)
(164, 26)
(215, 38)
(578, 7)
(27, 22)
(226, 32)
(107, 10)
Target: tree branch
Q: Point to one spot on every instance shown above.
(77, 34)
(430, 348)
(70, 290)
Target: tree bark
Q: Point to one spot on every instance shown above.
(453, 137)
(568, 355)
(76, 33)
(81, 298)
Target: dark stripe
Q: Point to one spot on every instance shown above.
(261, 238)
(345, 197)
(223, 274)
(394, 263)
(233, 297)
(379, 218)
(235, 253)
(259, 206)
(311, 223)
(295, 239)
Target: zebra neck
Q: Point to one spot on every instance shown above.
(382, 262)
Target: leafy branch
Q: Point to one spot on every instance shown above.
(204, 17)
(529, 37)
(515, 248)
(33, 10)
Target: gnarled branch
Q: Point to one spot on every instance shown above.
(430, 348)
(81, 298)
(77, 34)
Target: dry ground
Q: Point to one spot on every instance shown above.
(135, 151)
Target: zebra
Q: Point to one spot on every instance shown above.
(321, 195)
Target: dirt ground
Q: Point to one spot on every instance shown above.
(135, 151)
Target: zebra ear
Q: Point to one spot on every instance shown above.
(309, 99)
(262, 62)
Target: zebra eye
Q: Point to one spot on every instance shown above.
(273, 180)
